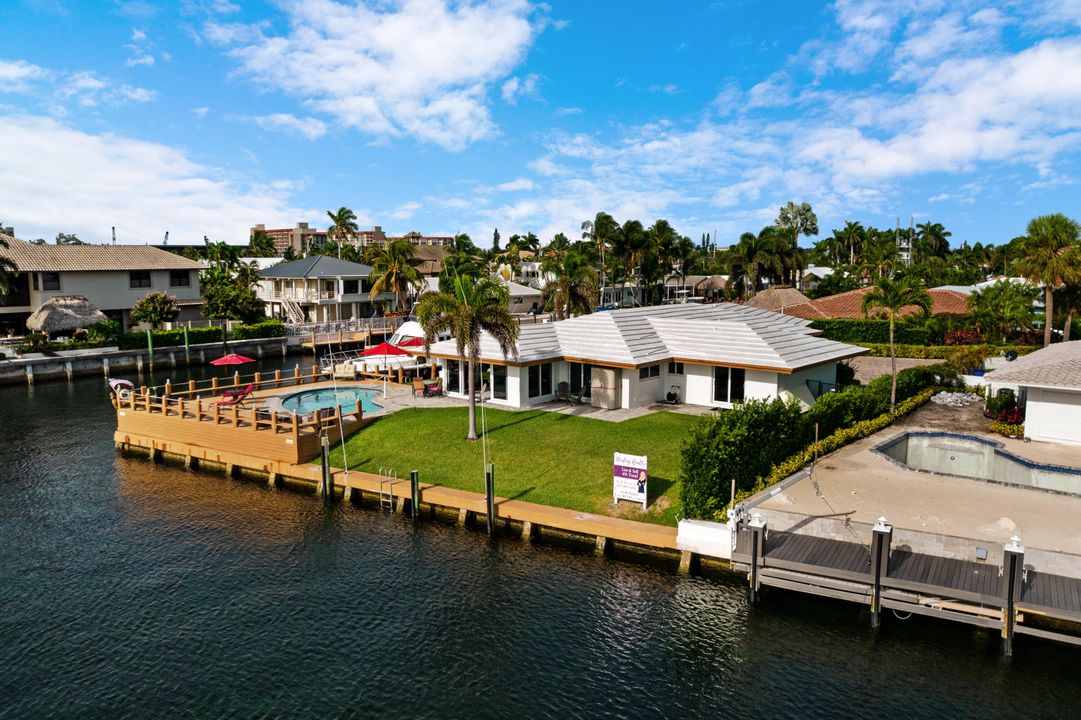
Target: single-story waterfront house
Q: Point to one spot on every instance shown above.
(1050, 390)
(711, 355)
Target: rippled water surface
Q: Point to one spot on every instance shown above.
(129, 590)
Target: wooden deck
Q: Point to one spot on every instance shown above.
(947, 588)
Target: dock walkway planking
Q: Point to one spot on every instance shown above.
(931, 575)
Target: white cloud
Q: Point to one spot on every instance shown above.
(405, 211)
(138, 35)
(200, 111)
(140, 59)
(565, 111)
(17, 76)
(516, 185)
(667, 88)
(310, 128)
(416, 67)
(526, 87)
(47, 172)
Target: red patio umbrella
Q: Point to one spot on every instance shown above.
(384, 348)
(231, 359)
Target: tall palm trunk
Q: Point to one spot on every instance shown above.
(893, 368)
(1048, 294)
(1067, 326)
(472, 398)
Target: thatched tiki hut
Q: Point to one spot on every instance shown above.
(64, 314)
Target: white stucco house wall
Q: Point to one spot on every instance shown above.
(1049, 382)
(711, 355)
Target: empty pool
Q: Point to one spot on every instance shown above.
(976, 457)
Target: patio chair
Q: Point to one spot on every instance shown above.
(418, 386)
(433, 390)
(563, 392)
(577, 399)
(235, 397)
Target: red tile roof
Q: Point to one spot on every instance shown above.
(850, 305)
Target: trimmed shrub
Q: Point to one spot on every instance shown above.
(170, 338)
(939, 352)
(864, 331)
(265, 329)
(961, 336)
(740, 444)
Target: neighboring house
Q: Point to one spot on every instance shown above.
(430, 259)
(112, 277)
(813, 276)
(777, 299)
(969, 289)
(523, 299)
(710, 355)
(318, 289)
(849, 305)
(1050, 391)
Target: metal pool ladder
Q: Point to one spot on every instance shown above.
(387, 478)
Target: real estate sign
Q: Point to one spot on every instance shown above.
(629, 478)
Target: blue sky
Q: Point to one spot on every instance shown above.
(204, 117)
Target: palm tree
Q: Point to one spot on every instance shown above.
(574, 291)
(879, 255)
(1005, 307)
(601, 231)
(797, 220)
(932, 239)
(1050, 256)
(473, 307)
(394, 269)
(261, 245)
(893, 296)
(853, 236)
(343, 227)
(7, 267)
(753, 257)
(1068, 300)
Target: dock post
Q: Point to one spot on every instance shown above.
(757, 526)
(69, 370)
(601, 548)
(414, 494)
(489, 496)
(687, 561)
(1013, 567)
(105, 366)
(29, 374)
(527, 531)
(881, 537)
(325, 486)
(150, 347)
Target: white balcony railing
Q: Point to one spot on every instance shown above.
(296, 294)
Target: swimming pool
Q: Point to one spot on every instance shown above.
(312, 400)
(971, 456)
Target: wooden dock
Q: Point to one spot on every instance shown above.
(1013, 598)
(186, 423)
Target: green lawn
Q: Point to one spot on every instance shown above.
(539, 456)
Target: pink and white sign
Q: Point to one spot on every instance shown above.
(629, 478)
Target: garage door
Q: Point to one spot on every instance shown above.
(1058, 415)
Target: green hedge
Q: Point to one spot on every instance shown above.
(938, 352)
(864, 331)
(266, 329)
(170, 338)
(746, 443)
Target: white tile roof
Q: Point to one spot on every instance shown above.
(1053, 366)
(723, 333)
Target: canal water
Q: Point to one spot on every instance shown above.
(134, 591)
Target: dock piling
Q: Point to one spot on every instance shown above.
(1013, 566)
(414, 494)
(757, 526)
(489, 496)
(881, 538)
(325, 486)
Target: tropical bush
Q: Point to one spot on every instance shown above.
(264, 329)
(170, 338)
(939, 352)
(961, 336)
(746, 443)
(155, 308)
(967, 358)
(104, 332)
(1004, 399)
(865, 331)
(1013, 430)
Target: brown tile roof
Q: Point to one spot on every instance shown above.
(31, 257)
(779, 298)
(849, 305)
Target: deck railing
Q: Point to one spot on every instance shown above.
(188, 404)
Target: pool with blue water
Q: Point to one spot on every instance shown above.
(311, 400)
